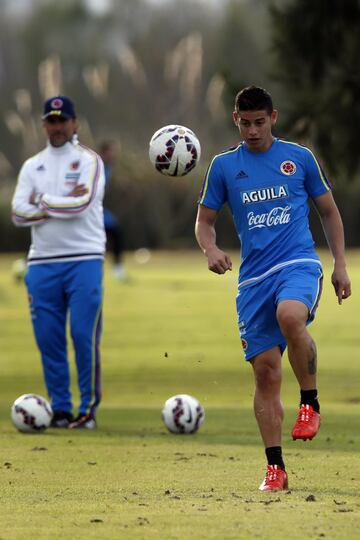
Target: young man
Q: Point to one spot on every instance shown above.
(267, 183)
(59, 194)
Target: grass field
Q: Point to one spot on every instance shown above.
(172, 329)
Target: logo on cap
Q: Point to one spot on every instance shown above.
(56, 103)
(59, 106)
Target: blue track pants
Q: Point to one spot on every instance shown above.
(58, 291)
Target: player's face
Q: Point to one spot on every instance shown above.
(256, 128)
(59, 130)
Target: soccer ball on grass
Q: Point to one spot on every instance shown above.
(31, 413)
(174, 150)
(183, 414)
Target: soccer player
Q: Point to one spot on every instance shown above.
(266, 182)
(114, 232)
(59, 195)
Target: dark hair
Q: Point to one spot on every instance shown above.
(253, 98)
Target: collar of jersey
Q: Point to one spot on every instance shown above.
(60, 149)
(245, 146)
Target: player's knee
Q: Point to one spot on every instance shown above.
(46, 343)
(291, 323)
(267, 377)
(81, 335)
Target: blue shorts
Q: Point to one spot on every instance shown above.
(257, 303)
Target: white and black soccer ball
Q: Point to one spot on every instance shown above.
(174, 150)
(31, 413)
(183, 414)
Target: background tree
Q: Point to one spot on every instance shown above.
(316, 45)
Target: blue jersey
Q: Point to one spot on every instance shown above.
(268, 194)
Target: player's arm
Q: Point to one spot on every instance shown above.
(334, 232)
(81, 197)
(25, 203)
(218, 261)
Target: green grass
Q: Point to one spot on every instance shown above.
(172, 329)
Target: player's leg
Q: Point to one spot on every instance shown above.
(48, 313)
(118, 244)
(263, 345)
(297, 300)
(84, 287)
(118, 250)
(269, 413)
(292, 316)
(268, 409)
(115, 237)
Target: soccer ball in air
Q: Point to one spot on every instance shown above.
(31, 413)
(183, 414)
(174, 150)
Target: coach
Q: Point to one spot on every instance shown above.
(59, 194)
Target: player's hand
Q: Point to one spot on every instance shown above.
(34, 198)
(78, 191)
(341, 283)
(218, 261)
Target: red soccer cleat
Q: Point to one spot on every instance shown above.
(275, 480)
(307, 423)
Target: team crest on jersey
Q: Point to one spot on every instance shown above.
(288, 167)
(75, 165)
(244, 344)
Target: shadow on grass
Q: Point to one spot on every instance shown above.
(227, 426)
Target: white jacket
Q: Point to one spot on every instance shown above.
(63, 228)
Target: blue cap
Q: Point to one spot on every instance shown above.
(59, 106)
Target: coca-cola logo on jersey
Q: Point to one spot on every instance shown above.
(277, 216)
